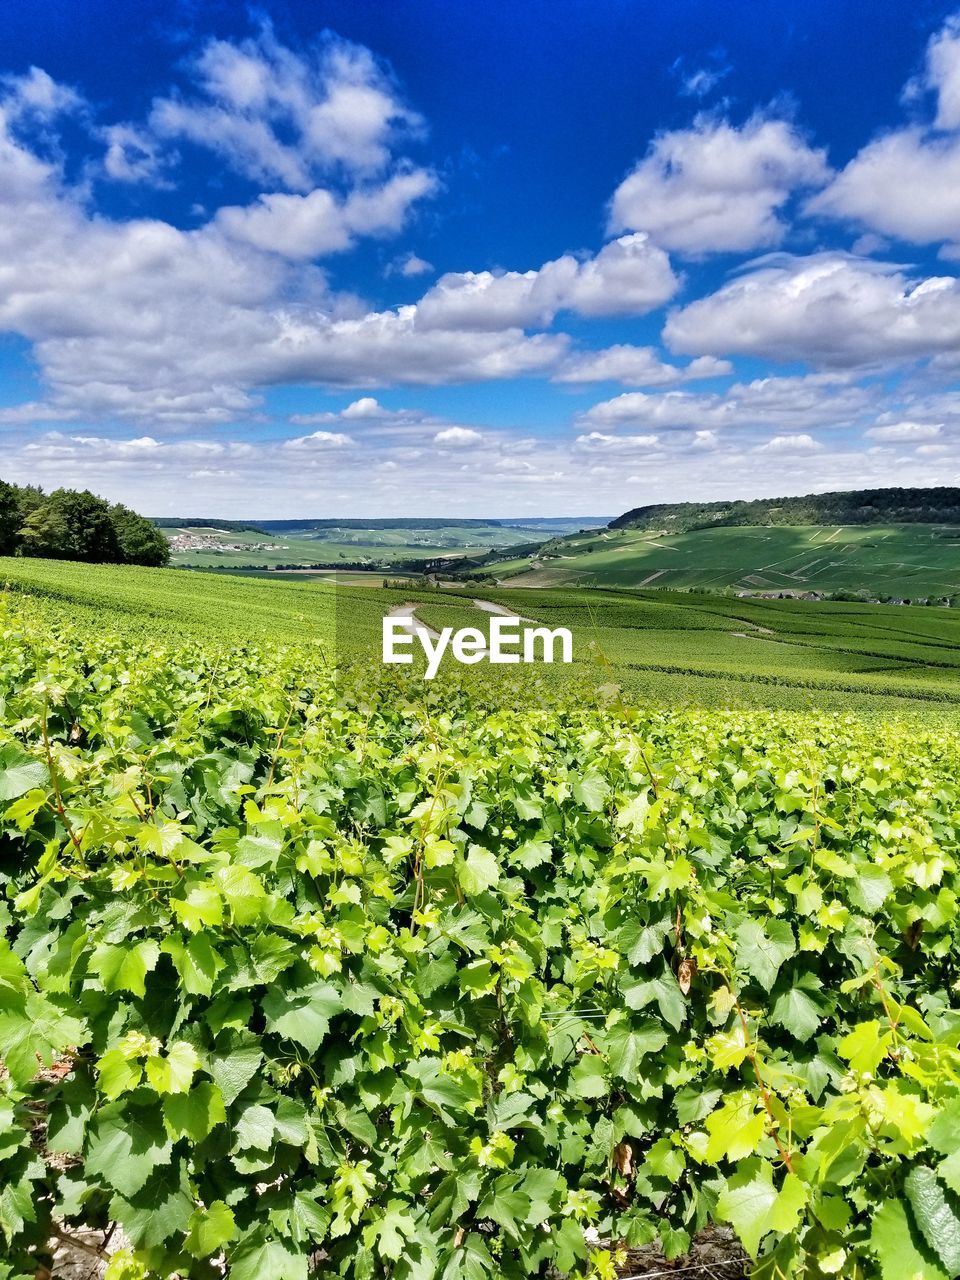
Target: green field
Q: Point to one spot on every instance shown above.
(661, 645)
(374, 547)
(311, 968)
(903, 561)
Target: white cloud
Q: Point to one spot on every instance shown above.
(905, 183)
(635, 367)
(309, 226)
(599, 442)
(716, 188)
(941, 74)
(132, 155)
(458, 438)
(320, 440)
(790, 444)
(280, 117)
(629, 276)
(408, 265)
(801, 401)
(36, 96)
(829, 309)
(904, 432)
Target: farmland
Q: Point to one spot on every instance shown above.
(315, 972)
(671, 647)
(379, 545)
(903, 561)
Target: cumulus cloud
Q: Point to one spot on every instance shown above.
(319, 440)
(458, 438)
(629, 276)
(813, 400)
(600, 442)
(829, 309)
(281, 117)
(636, 367)
(801, 443)
(905, 432)
(716, 188)
(905, 183)
(37, 97)
(408, 265)
(143, 319)
(320, 223)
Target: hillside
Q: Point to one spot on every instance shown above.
(907, 561)
(855, 506)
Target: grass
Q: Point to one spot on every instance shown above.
(906, 561)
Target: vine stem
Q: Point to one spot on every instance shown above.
(764, 1091)
(55, 781)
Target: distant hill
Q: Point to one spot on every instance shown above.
(195, 522)
(855, 506)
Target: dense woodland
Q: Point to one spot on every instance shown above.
(858, 506)
(71, 524)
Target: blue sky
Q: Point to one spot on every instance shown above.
(445, 258)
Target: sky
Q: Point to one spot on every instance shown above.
(429, 257)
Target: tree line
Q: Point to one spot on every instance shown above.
(71, 524)
(857, 506)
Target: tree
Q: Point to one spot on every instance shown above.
(9, 519)
(71, 525)
(140, 541)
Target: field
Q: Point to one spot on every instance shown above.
(903, 561)
(310, 971)
(205, 547)
(670, 647)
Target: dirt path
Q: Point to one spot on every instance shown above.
(413, 623)
(489, 607)
(652, 578)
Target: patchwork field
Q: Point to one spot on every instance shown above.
(376, 547)
(902, 561)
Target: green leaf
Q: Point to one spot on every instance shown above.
(242, 891)
(118, 1073)
(762, 949)
(935, 1216)
(480, 870)
(193, 1115)
(257, 1258)
(302, 1015)
(391, 1232)
(34, 1037)
(591, 790)
(125, 967)
(234, 1069)
(126, 1146)
(665, 991)
(210, 1229)
(754, 1207)
(735, 1128)
(798, 1012)
(255, 1128)
(588, 1079)
(197, 962)
(159, 1211)
(627, 1046)
(898, 1248)
(19, 773)
(173, 1073)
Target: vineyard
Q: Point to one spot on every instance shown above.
(323, 972)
